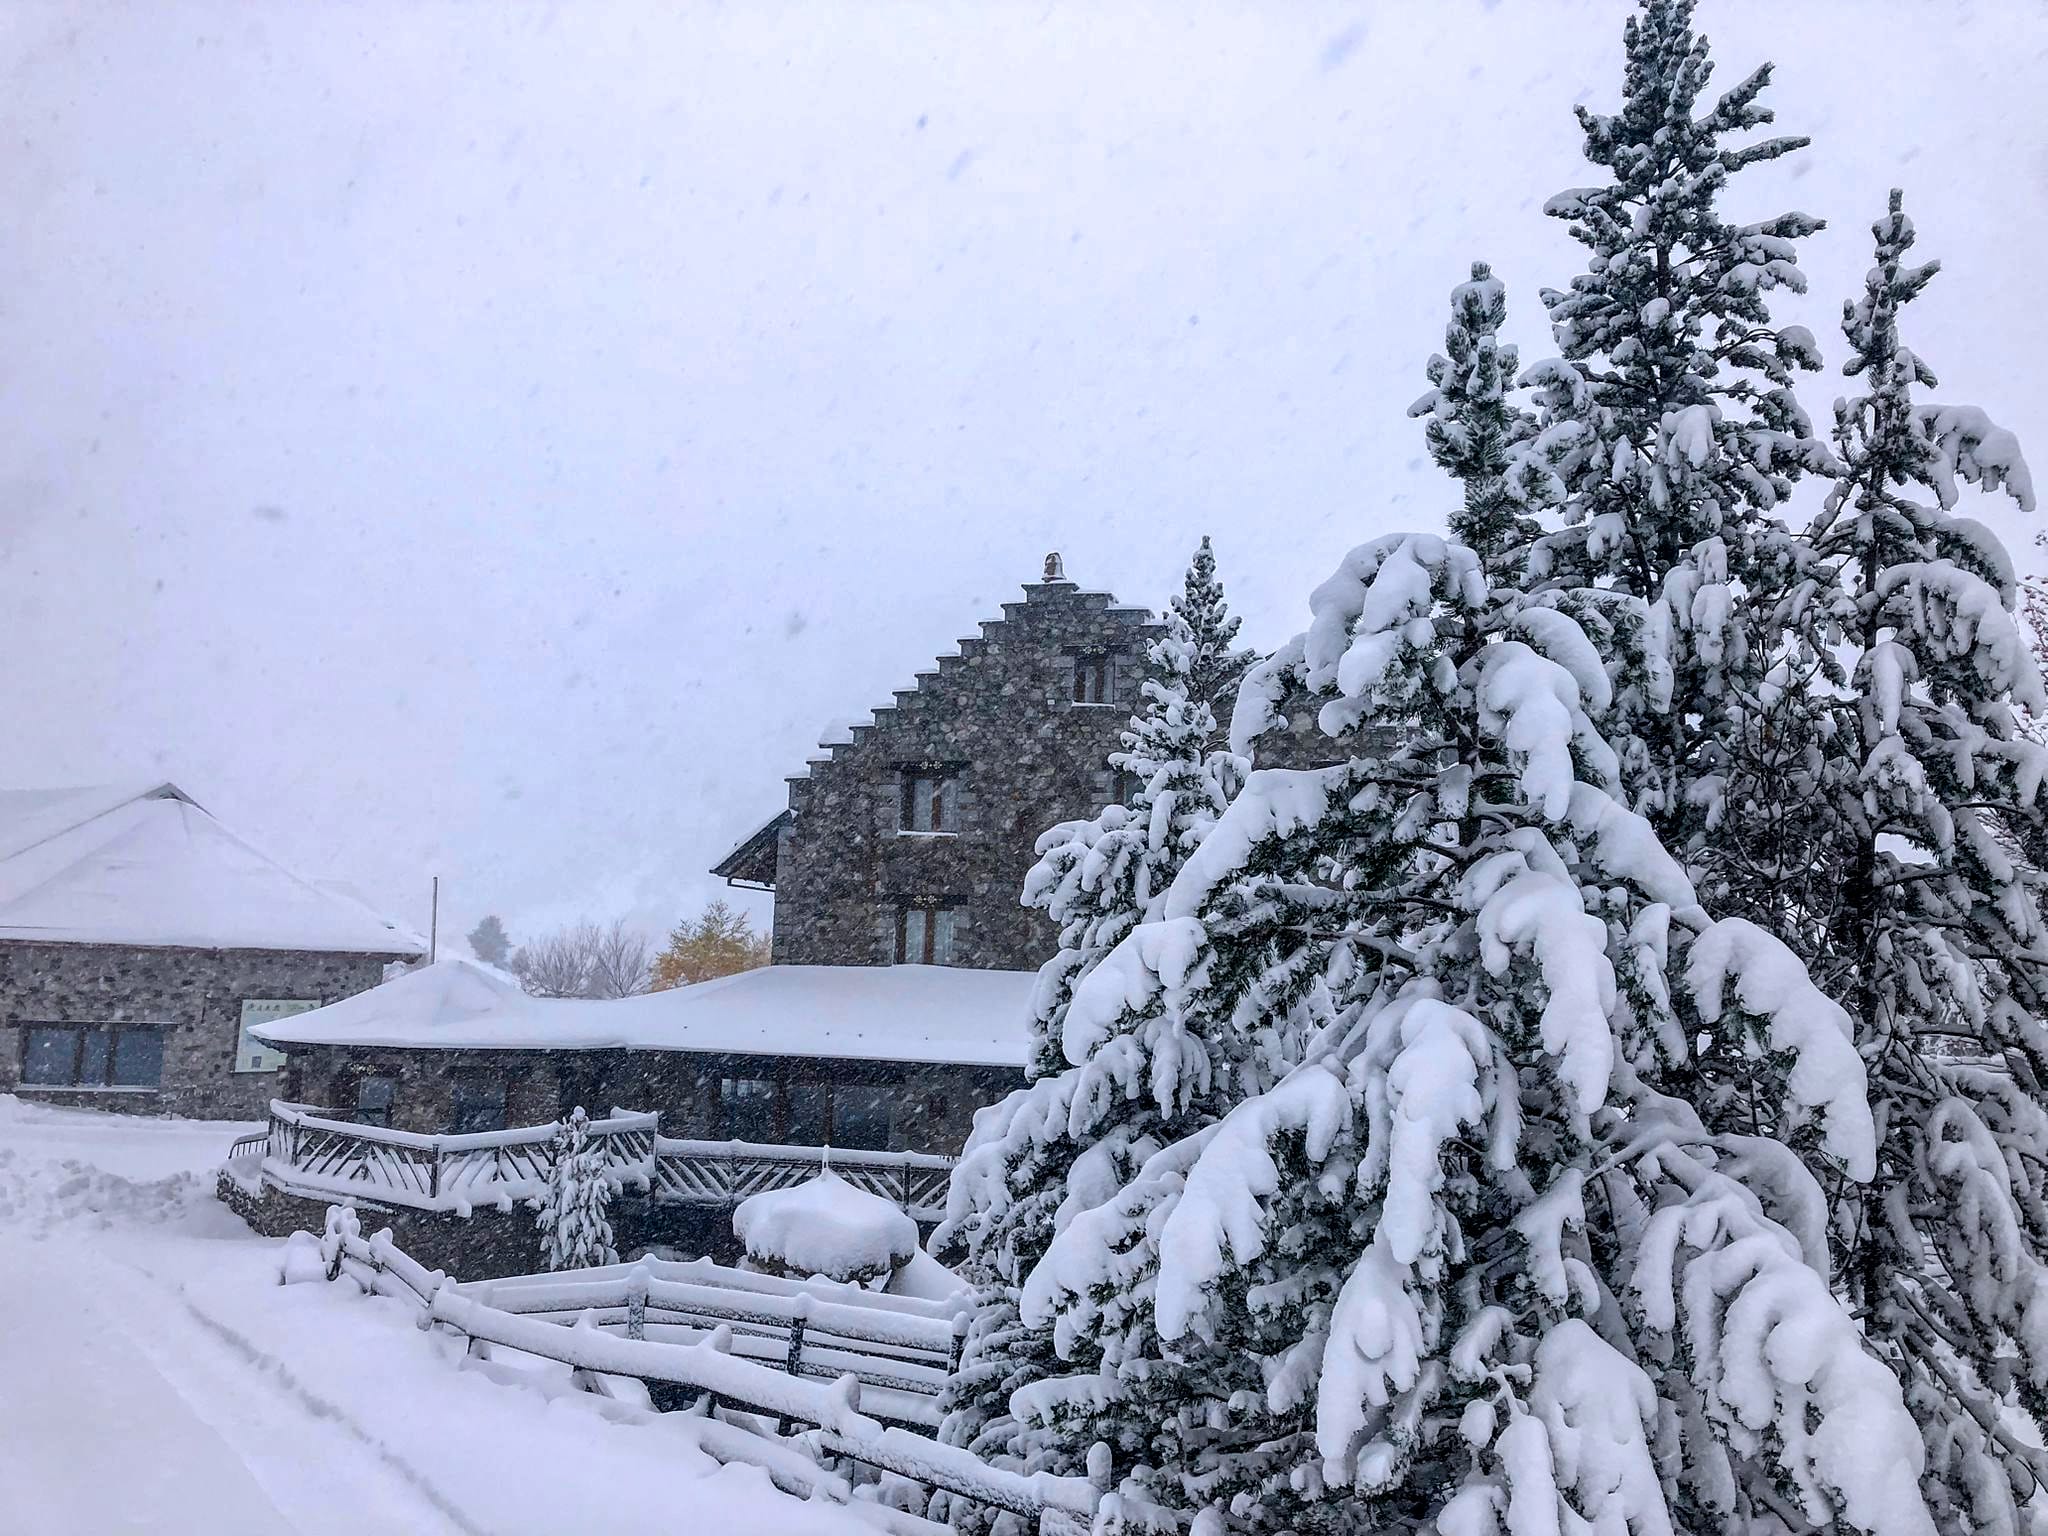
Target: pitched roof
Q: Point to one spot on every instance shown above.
(149, 866)
(912, 1013)
(752, 858)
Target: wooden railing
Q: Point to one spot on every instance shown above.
(312, 1151)
(901, 1348)
(308, 1151)
(716, 1378)
(726, 1172)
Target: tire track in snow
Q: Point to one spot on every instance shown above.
(253, 1364)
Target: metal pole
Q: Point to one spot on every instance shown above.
(434, 925)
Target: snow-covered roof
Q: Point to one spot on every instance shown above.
(916, 1013)
(148, 865)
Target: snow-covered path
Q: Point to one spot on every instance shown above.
(81, 1397)
(154, 1376)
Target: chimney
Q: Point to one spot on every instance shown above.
(1054, 570)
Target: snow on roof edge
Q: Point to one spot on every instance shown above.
(913, 1014)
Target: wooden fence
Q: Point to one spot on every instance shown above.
(311, 1151)
(713, 1371)
(901, 1348)
(308, 1151)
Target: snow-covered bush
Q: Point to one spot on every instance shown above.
(825, 1226)
(575, 1231)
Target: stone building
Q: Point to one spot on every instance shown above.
(140, 940)
(854, 1057)
(903, 959)
(909, 840)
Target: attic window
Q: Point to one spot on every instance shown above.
(931, 801)
(1091, 679)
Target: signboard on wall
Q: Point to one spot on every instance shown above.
(251, 1054)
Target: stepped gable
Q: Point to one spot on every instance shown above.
(1021, 717)
(1140, 622)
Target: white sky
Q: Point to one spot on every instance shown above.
(495, 440)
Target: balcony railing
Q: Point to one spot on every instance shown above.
(311, 1151)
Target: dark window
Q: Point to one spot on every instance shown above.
(479, 1102)
(810, 1113)
(749, 1105)
(860, 1116)
(138, 1058)
(931, 803)
(92, 1056)
(1091, 679)
(927, 935)
(374, 1099)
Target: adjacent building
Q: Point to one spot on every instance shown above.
(903, 959)
(141, 940)
(907, 841)
(856, 1057)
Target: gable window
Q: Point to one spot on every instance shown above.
(479, 1102)
(92, 1056)
(931, 801)
(1092, 676)
(927, 935)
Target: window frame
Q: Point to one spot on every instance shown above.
(935, 792)
(1094, 679)
(931, 916)
(110, 1034)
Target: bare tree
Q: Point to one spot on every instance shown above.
(620, 962)
(585, 961)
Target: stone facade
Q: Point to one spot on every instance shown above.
(1001, 719)
(927, 1107)
(194, 996)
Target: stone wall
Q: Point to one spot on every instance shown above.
(934, 1105)
(194, 995)
(1001, 716)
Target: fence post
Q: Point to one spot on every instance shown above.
(959, 1350)
(903, 1173)
(636, 1301)
(796, 1335)
(434, 1178)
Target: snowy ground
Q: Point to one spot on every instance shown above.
(155, 1376)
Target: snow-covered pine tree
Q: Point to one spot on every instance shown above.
(1219, 662)
(1671, 414)
(1471, 1268)
(1478, 434)
(1934, 939)
(575, 1232)
(1073, 1135)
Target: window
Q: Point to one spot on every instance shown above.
(92, 1056)
(251, 1054)
(749, 1105)
(809, 1122)
(927, 935)
(1091, 679)
(931, 802)
(374, 1098)
(479, 1102)
(860, 1116)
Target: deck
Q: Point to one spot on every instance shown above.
(312, 1152)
